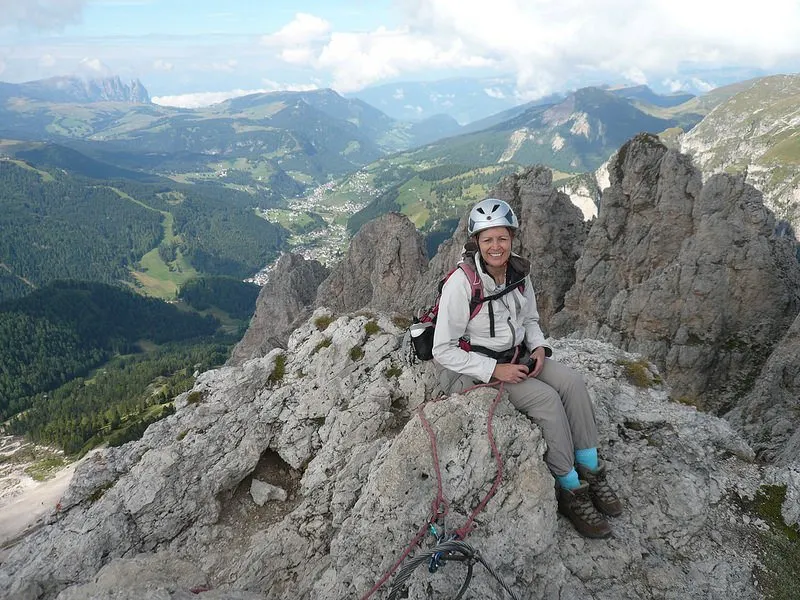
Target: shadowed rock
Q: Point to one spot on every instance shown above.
(283, 302)
(383, 261)
(690, 275)
(770, 414)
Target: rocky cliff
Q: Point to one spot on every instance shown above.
(79, 90)
(691, 275)
(335, 434)
(307, 471)
(282, 303)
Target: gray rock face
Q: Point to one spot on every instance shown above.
(689, 275)
(552, 233)
(284, 301)
(384, 260)
(340, 433)
(770, 414)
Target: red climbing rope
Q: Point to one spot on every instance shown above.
(440, 506)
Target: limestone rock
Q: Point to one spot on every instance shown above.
(262, 492)
(152, 576)
(283, 302)
(384, 260)
(690, 275)
(770, 414)
(552, 233)
(340, 432)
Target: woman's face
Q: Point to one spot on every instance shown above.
(495, 245)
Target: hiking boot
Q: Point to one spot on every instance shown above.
(577, 506)
(603, 496)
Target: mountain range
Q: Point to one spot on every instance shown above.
(309, 135)
(78, 90)
(756, 132)
(317, 467)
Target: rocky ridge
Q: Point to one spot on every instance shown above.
(283, 302)
(79, 89)
(340, 435)
(691, 275)
(331, 420)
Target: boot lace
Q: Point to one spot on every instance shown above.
(601, 487)
(584, 509)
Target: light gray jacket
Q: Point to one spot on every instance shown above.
(516, 319)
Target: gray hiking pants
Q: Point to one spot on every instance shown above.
(557, 401)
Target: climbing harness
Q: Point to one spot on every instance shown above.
(449, 546)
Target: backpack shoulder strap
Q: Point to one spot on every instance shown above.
(476, 297)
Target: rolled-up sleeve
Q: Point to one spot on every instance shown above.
(451, 324)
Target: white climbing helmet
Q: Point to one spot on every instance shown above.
(491, 213)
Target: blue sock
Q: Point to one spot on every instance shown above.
(569, 481)
(587, 457)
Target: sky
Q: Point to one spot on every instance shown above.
(194, 52)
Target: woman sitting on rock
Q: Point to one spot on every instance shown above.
(552, 395)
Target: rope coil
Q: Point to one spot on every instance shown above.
(453, 549)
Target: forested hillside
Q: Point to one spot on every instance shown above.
(57, 227)
(433, 198)
(60, 226)
(237, 298)
(117, 403)
(66, 329)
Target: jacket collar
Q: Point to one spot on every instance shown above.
(518, 267)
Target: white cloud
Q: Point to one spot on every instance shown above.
(701, 85)
(674, 85)
(40, 14)
(47, 60)
(356, 60)
(227, 66)
(635, 75)
(549, 46)
(415, 108)
(545, 43)
(200, 99)
(163, 65)
(399, 94)
(494, 93)
(94, 67)
(304, 29)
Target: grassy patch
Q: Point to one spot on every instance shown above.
(181, 435)
(638, 373)
(322, 322)
(393, 371)
(45, 468)
(324, 343)
(371, 328)
(401, 322)
(780, 545)
(279, 370)
(689, 400)
(194, 398)
(98, 493)
(356, 353)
